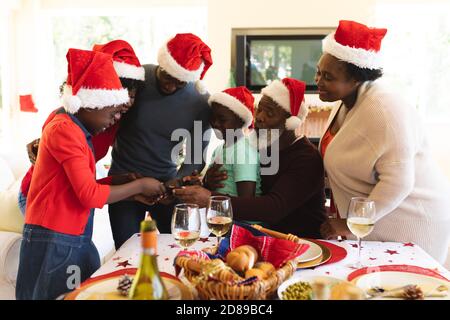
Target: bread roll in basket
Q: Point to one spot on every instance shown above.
(215, 279)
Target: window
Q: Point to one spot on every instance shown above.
(417, 55)
(146, 30)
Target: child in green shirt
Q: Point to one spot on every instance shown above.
(231, 118)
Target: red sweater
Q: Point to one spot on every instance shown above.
(101, 143)
(63, 187)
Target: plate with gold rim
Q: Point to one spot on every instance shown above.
(105, 287)
(323, 258)
(314, 251)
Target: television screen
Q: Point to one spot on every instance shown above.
(268, 58)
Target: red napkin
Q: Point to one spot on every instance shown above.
(273, 250)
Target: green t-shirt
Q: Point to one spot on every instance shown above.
(241, 162)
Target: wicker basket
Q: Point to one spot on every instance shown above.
(221, 289)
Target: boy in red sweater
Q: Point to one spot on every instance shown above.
(58, 220)
(131, 75)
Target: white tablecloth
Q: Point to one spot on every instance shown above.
(373, 254)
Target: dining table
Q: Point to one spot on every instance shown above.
(374, 254)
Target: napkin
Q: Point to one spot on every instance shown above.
(273, 250)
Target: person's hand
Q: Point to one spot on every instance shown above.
(214, 176)
(193, 194)
(147, 200)
(125, 178)
(332, 228)
(167, 199)
(152, 188)
(193, 180)
(32, 150)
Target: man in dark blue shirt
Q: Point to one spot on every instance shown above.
(149, 136)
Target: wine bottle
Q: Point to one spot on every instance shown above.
(147, 283)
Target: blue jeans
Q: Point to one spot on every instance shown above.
(52, 263)
(22, 202)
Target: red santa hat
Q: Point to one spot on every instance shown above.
(355, 43)
(187, 58)
(289, 94)
(239, 100)
(92, 82)
(125, 61)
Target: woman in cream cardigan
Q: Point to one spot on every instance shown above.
(375, 147)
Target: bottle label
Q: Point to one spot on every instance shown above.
(149, 240)
(149, 251)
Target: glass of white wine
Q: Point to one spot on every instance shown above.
(186, 224)
(219, 216)
(361, 221)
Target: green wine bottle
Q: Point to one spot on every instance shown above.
(147, 283)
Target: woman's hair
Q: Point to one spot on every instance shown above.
(362, 74)
(131, 84)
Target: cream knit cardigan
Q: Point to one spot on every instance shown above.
(381, 152)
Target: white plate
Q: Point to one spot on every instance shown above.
(310, 279)
(314, 251)
(394, 279)
(106, 289)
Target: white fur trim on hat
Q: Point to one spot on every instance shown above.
(234, 105)
(357, 56)
(201, 87)
(293, 123)
(125, 70)
(169, 64)
(279, 93)
(92, 98)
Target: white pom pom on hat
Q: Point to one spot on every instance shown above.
(289, 93)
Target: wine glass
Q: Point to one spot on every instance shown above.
(219, 216)
(186, 224)
(360, 221)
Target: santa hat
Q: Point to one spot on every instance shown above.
(187, 58)
(92, 82)
(239, 100)
(289, 94)
(125, 61)
(355, 43)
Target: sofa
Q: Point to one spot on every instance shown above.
(13, 165)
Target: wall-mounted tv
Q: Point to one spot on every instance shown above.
(261, 56)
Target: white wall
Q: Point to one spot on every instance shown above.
(225, 15)
(26, 33)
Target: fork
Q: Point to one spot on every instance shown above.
(384, 293)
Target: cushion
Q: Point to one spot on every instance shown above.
(9, 256)
(11, 219)
(6, 175)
